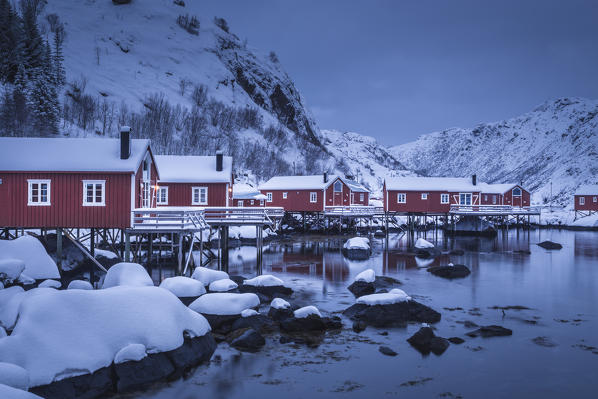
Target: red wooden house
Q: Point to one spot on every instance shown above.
(505, 194)
(306, 193)
(74, 182)
(359, 194)
(195, 180)
(586, 199)
(245, 195)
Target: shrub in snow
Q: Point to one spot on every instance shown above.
(279, 303)
(11, 269)
(38, 264)
(129, 274)
(368, 276)
(7, 392)
(61, 334)
(357, 243)
(421, 244)
(131, 352)
(183, 286)
(306, 311)
(50, 284)
(222, 285)
(206, 276)
(249, 313)
(265, 280)
(79, 285)
(224, 303)
(14, 376)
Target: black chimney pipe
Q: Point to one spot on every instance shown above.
(125, 142)
(219, 159)
(325, 177)
(474, 180)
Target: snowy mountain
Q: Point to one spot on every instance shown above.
(555, 143)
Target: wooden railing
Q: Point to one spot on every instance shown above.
(239, 215)
(351, 210)
(494, 210)
(169, 219)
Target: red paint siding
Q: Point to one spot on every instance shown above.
(415, 203)
(509, 199)
(357, 201)
(296, 201)
(492, 199)
(591, 202)
(247, 203)
(338, 199)
(180, 194)
(66, 198)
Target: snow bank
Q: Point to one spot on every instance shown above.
(224, 303)
(25, 279)
(357, 243)
(11, 269)
(7, 392)
(38, 264)
(183, 286)
(105, 254)
(265, 280)
(305, 311)
(131, 352)
(249, 313)
(14, 376)
(279, 303)
(207, 276)
(79, 285)
(421, 243)
(2, 332)
(369, 276)
(10, 302)
(61, 334)
(394, 296)
(129, 274)
(223, 285)
(50, 284)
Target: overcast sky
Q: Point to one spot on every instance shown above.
(398, 69)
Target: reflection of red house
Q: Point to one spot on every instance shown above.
(393, 262)
(312, 261)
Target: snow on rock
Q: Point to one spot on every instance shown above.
(25, 279)
(7, 392)
(246, 232)
(421, 243)
(129, 274)
(357, 243)
(224, 303)
(279, 303)
(14, 376)
(393, 296)
(207, 276)
(10, 302)
(11, 269)
(1, 285)
(183, 286)
(131, 352)
(305, 311)
(249, 313)
(79, 285)
(2, 332)
(38, 264)
(61, 334)
(50, 284)
(265, 280)
(105, 254)
(223, 285)
(368, 276)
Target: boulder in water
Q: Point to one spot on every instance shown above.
(249, 341)
(450, 272)
(425, 341)
(550, 245)
(490, 331)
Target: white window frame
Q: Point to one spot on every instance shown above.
(582, 200)
(261, 202)
(159, 196)
(361, 197)
(467, 195)
(269, 197)
(313, 197)
(285, 195)
(445, 198)
(199, 201)
(595, 199)
(520, 192)
(30, 183)
(240, 203)
(102, 184)
(424, 196)
(494, 199)
(401, 198)
(251, 202)
(340, 183)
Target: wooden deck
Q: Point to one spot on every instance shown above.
(493, 210)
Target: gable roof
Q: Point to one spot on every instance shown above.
(587, 189)
(314, 182)
(33, 154)
(415, 183)
(246, 191)
(193, 169)
(498, 188)
(355, 186)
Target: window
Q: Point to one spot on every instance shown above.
(338, 186)
(485, 197)
(240, 203)
(444, 198)
(313, 197)
(516, 192)
(199, 196)
(352, 197)
(38, 192)
(582, 200)
(284, 195)
(424, 196)
(251, 202)
(361, 197)
(595, 199)
(401, 198)
(94, 193)
(261, 202)
(465, 199)
(494, 199)
(162, 196)
(269, 197)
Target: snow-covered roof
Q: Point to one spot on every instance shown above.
(414, 183)
(315, 182)
(246, 191)
(355, 186)
(497, 188)
(193, 169)
(69, 154)
(587, 189)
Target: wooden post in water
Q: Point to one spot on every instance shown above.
(150, 251)
(59, 247)
(201, 247)
(224, 241)
(180, 255)
(92, 250)
(127, 246)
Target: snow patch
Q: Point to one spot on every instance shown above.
(183, 286)
(207, 276)
(131, 352)
(369, 276)
(421, 243)
(223, 285)
(79, 285)
(7, 392)
(50, 284)
(395, 295)
(357, 243)
(38, 264)
(265, 280)
(224, 303)
(14, 376)
(11, 269)
(129, 274)
(279, 303)
(305, 311)
(249, 313)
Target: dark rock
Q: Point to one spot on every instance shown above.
(385, 350)
(280, 314)
(268, 292)
(425, 341)
(221, 324)
(332, 323)
(450, 272)
(522, 251)
(544, 341)
(361, 288)
(187, 300)
(249, 341)
(386, 282)
(357, 253)
(285, 339)
(490, 331)
(457, 252)
(237, 279)
(258, 322)
(438, 345)
(550, 245)
(309, 323)
(469, 324)
(118, 2)
(193, 352)
(427, 253)
(359, 326)
(456, 340)
(85, 386)
(395, 314)
(134, 374)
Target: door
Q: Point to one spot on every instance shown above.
(338, 193)
(146, 195)
(352, 198)
(517, 197)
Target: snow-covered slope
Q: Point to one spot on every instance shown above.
(555, 143)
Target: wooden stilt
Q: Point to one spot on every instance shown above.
(127, 247)
(59, 247)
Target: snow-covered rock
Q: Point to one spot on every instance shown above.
(11, 269)
(10, 303)
(38, 264)
(7, 392)
(129, 274)
(422, 244)
(394, 296)
(368, 276)
(183, 286)
(279, 303)
(207, 276)
(249, 313)
(14, 376)
(265, 280)
(224, 303)
(131, 352)
(79, 285)
(25, 279)
(61, 334)
(357, 243)
(50, 284)
(3, 332)
(223, 285)
(305, 311)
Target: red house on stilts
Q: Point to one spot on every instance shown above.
(586, 200)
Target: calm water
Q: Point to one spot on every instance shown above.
(560, 287)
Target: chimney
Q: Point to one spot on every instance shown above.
(125, 142)
(219, 159)
(474, 180)
(325, 177)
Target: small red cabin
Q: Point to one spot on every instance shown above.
(74, 182)
(505, 194)
(359, 194)
(306, 193)
(245, 195)
(195, 180)
(586, 198)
